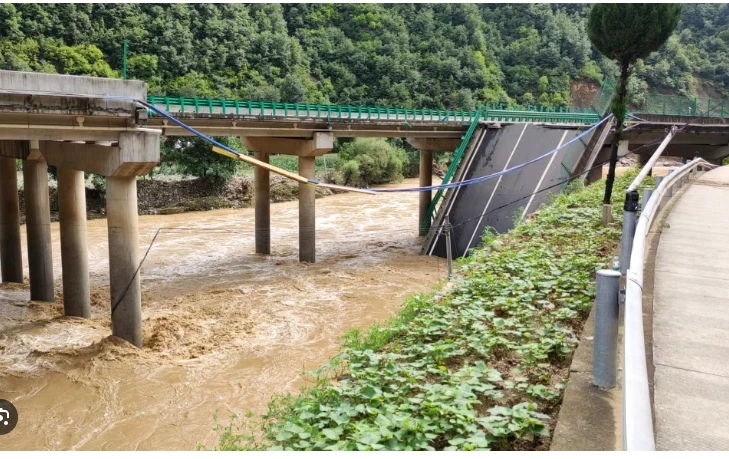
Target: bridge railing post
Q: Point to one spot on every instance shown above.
(605, 359)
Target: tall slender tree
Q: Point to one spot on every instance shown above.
(627, 32)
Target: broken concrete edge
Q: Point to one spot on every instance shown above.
(46, 84)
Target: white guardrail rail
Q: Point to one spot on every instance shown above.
(638, 432)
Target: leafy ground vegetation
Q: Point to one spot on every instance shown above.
(481, 364)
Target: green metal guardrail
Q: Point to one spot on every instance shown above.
(254, 108)
(458, 154)
(662, 104)
(498, 112)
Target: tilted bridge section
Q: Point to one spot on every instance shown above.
(97, 125)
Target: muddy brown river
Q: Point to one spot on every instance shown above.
(224, 329)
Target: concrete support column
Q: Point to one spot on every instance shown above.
(262, 188)
(74, 253)
(307, 214)
(426, 179)
(38, 228)
(126, 292)
(11, 259)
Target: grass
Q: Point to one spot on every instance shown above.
(479, 365)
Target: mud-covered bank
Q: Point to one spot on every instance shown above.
(176, 196)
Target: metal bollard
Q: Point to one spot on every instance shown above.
(607, 309)
(630, 210)
(647, 192)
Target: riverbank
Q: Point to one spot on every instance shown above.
(224, 329)
(177, 195)
(480, 365)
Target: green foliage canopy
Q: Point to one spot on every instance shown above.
(368, 161)
(630, 31)
(440, 56)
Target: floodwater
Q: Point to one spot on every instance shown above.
(224, 329)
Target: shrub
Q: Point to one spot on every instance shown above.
(366, 162)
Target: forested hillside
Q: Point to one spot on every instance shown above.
(422, 55)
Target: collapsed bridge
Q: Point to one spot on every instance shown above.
(112, 128)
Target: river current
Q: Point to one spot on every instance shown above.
(224, 328)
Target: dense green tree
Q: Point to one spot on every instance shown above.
(441, 56)
(366, 161)
(193, 156)
(626, 32)
(415, 55)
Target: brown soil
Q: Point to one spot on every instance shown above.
(582, 92)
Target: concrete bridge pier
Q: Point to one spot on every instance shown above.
(307, 150)
(136, 154)
(425, 198)
(74, 253)
(262, 189)
(37, 216)
(38, 225)
(307, 211)
(427, 146)
(126, 292)
(11, 261)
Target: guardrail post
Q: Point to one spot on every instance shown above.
(669, 190)
(605, 359)
(647, 192)
(630, 210)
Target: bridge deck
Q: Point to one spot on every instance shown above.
(691, 320)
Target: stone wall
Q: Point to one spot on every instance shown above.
(165, 197)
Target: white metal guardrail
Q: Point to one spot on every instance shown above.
(638, 432)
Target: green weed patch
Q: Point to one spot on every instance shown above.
(479, 365)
